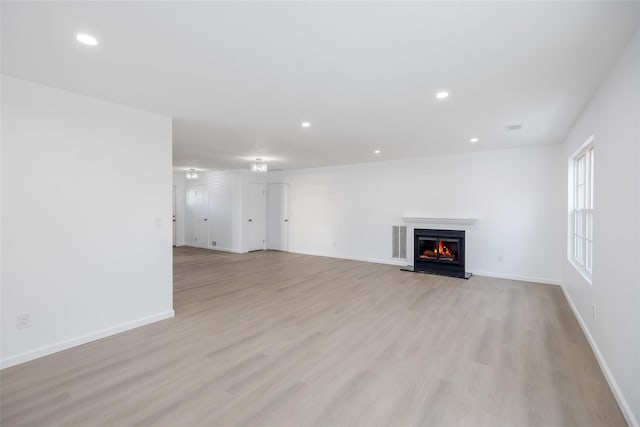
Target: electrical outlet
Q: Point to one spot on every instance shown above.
(214, 243)
(499, 258)
(24, 320)
(593, 311)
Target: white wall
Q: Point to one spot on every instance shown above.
(348, 211)
(613, 117)
(86, 219)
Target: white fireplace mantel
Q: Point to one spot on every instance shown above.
(433, 220)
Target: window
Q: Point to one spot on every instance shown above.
(580, 243)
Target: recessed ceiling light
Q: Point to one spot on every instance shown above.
(474, 140)
(306, 124)
(442, 94)
(377, 151)
(87, 39)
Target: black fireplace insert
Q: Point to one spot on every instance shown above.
(439, 252)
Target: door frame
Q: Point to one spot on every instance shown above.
(286, 214)
(201, 218)
(174, 208)
(250, 221)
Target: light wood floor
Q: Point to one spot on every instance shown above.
(278, 339)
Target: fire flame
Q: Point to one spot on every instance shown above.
(443, 249)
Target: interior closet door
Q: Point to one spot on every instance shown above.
(256, 216)
(201, 210)
(278, 216)
(173, 212)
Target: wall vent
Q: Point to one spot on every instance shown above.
(399, 241)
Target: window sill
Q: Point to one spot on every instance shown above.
(584, 273)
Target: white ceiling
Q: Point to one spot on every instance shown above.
(239, 78)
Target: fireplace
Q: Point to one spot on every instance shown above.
(439, 252)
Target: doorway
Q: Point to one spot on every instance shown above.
(256, 214)
(198, 211)
(173, 212)
(278, 216)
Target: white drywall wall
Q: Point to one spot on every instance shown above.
(86, 219)
(348, 211)
(613, 118)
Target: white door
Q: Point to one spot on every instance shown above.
(278, 217)
(200, 210)
(256, 216)
(173, 209)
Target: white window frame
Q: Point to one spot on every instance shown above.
(581, 209)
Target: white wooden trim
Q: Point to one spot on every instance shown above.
(396, 262)
(529, 279)
(83, 339)
(433, 220)
(613, 385)
(572, 209)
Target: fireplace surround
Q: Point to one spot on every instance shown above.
(439, 252)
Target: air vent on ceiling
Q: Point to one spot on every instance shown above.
(516, 126)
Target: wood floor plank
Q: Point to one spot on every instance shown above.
(278, 339)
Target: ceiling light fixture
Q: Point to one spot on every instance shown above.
(192, 174)
(87, 39)
(377, 152)
(442, 94)
(259, 166)
(474, 140)
(306, 124)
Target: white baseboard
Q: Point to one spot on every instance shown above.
(235, 251)
(519, 278)
(400, 263)
(216, 248)
(83, 339)
(613, 385)
(403, 263)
